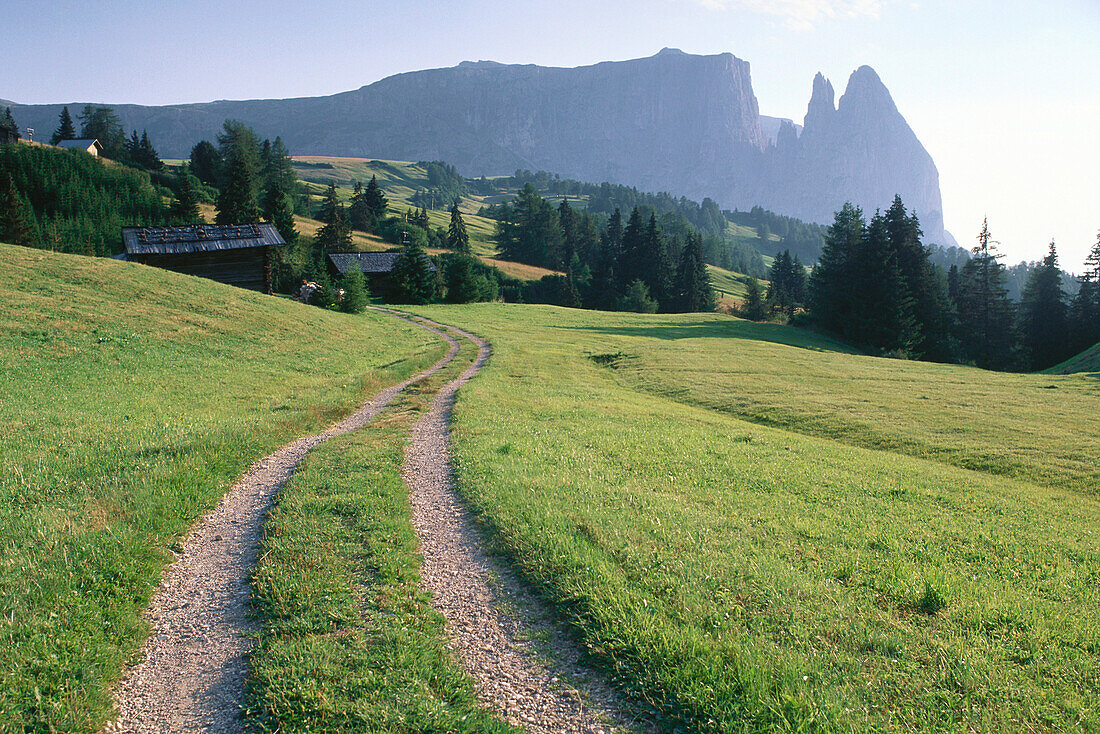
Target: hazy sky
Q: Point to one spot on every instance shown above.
(1004, 94)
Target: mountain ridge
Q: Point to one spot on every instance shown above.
(683, 123)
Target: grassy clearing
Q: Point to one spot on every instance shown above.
(749, 578)
(130, 399)
(1086, 361)
(349, 642)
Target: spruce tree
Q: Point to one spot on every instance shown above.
(832, 285)
(985, 313)
(693, 278)
(1043, 315)
(65, 129)
(360, 215)
(16, 218)
(457, 239)
(1085, 308)
(9, 130)
(882, 314)
(102, 124)
(356, 295)
(376, 200)
(412, 277)
(335, 235)
(185, 201)
(753, 307)
(278, 211)
(237, 202)
(206, 163)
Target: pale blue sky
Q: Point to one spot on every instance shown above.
(1005, 95)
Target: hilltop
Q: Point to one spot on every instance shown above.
(627, 122)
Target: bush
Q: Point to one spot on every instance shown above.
(637, 299)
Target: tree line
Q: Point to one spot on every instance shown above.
(876, 286)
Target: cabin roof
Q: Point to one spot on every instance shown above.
(198, 238)
(81, 143)
(371, 263)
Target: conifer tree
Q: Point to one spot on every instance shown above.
(412, 277)
(457, 239)
(882, 314)
(102, 124)
(9, 130)
(753, 308)
(356, 295)
(693, 278)
(277, 167)
(985, 313)
(237, 202)
(16, 218)
(206, 162)
(1043, 315)
(335, 235)
(185, 200)
(360, 216)
(631, 264)
(376, 200)
(1085, 308)
(278, 211)
(65, 129)
(832, 297)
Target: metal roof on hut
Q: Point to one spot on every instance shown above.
(370, 263)
(198, 238)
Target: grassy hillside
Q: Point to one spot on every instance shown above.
(836, 569)
(130, 399)
(400, 180)
(1086, 361)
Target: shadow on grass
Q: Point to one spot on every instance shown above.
(775, 333)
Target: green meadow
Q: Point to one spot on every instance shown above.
(130, 399)
(753, 529)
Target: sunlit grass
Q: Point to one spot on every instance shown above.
(130, 399)
(751, 578)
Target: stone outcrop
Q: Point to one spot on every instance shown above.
(675, 122)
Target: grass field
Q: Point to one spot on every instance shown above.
(349, 642)
(811, 574)
(1086, 361)
(130, 398)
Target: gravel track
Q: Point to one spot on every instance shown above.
(193, 666)
(492, 620)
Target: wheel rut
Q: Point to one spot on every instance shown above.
(492, 620)
(192, 670)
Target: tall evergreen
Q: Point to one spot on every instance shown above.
(335, 235)
(882, 312)
(9, 130)
(185, 201)
(277, 167)
(360, 214)
(412, 277)
(1085, 308)
(753, 307)
(278, 211)
(16, 217)
(786, 283)
(102, 124)
(693, 279)
(631, 263)
(832, 297)
(1043, 315)
(206, 162)
(65, 129)
(985, 313)
(457, 239)
(376, 199)
(237, 202)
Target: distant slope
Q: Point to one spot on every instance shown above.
(130, 399)
(1086, 361)
(683, 123)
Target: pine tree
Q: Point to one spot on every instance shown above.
(1043, 315)
(278, 211)
(376, 200)
(631, 264)
(636, 298)
(65, 129)
(277, 167)
(931, 304)
(753, 308)
(832, 284)
(16, 218)
(102, 124)
(882, 314)
(412, 277)
(335, 235)
(657, 266)
(985, 313)
(185, 200)
(457, 239)
(1085, 309)
(237, 202)
(9, 130)
(693, 278)
(206, 163)
(360, 216)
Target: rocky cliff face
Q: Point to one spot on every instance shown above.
(675, 122)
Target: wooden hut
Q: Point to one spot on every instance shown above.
(376, 266)
(239, 255)
(88, 145)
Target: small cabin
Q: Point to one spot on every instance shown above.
(90, 146)
(239, 255)
(376, 266)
